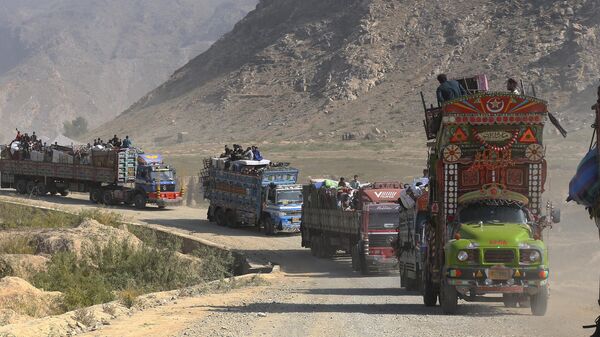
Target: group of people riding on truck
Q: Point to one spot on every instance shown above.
(451, 89)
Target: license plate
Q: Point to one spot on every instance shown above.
(500, 274)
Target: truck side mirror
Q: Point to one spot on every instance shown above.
(555, 214)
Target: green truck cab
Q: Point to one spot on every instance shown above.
(487, 171)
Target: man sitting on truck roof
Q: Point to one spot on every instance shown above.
(448, 89)
(512, 86)
(249, 155)
(257, 155)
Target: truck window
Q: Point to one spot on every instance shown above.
(162, 175)
(492, 214)
(384, 220)
(289, 197)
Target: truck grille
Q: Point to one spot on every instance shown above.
(499, 256)
(381, 240)
(167, 188)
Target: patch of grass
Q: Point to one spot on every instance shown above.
(119, 268)
(85, 316)
(17, 245)
(106, 218)
(17, 216)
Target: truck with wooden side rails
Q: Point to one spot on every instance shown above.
(254, 193)
(485, 232)
(365, 231)
(110, 177)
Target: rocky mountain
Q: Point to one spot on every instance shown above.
(61, 59)
(309, 69)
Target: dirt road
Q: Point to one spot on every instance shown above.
(314, 297)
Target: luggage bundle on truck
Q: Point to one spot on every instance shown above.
(365, 229)
(255, 193)
(111, 176)
(487, 175)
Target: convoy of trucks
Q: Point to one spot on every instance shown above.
(365, 230)
(110, 176)
(255, 193)
(476, 227)
(484, 235)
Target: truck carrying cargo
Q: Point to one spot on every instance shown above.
(111, 176)
(254, 193)
(487, 173)
(362, 224)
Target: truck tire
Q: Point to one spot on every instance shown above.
(52, 190)
(449, 299)
(21, 186)
(220, 217)
(96, 195)
(107, 198)
(269, 226)
(30, 187)
(539, 301)
(139, 201)
(64, 193)
(429, 293)
(355, 258)
(41, 189)
(230, 218)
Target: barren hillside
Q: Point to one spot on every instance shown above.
(313, 69)
(67, 58)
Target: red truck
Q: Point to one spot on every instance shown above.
(365, 230)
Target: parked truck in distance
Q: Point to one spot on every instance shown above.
(110, 176)
(487, 175)
(253, 193)
(364, 230)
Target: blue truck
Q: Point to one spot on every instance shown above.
(111, 177)
(253, 194)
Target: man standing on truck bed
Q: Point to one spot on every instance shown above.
(448, 90)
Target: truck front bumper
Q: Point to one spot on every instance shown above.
(382, 262)
(505, 280)
(165, 198)
(289, 226)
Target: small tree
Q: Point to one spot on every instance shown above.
(76, 127)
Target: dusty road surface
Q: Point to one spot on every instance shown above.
(314, 297)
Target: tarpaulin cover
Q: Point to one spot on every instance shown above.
(584, 188)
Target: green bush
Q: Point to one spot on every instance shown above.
(120, 268)
(17, 216)
(106, 218)
(17, 245)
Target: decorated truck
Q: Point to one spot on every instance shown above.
(255, 193)
(363, 227)
(484, 236)
(111, 177)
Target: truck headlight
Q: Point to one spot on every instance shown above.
(534, 256)
(462, 256)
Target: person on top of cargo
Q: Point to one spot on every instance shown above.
(126, 142)
(512, 86)
(114, 141)
(19, 135)
(342, 183)
(354, 183)
(448, 89)
(257, 155)
(33, 137)
(249, 155)
(227, 152)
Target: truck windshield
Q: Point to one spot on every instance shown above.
(162, 175)
(492, 214)
(384, 220)
(289, 197)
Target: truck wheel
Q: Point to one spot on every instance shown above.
(21, 186)
(510, 300)
(64, 193)
(107, 198)
(355, 258)
(230, 219)
(220, 217)
(30, 187)
(449, 299)
(52, 190)
(96, 195)
(539, 301)
(429, 294)
(269, 226)
(41, 189)
(139, 201)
